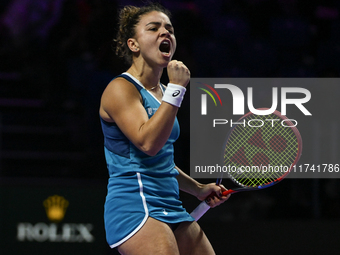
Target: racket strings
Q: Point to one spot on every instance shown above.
(260, 154)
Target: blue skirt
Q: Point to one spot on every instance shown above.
(132, 199)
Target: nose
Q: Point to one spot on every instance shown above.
(165, 32)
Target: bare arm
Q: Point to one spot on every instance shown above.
(201, 191)
(121, 103)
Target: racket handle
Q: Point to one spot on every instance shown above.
(201, 209)
(227, 192)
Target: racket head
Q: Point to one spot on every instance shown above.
(263, 151)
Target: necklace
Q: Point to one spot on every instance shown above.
(153, 87)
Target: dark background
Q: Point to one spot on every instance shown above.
(55, 61)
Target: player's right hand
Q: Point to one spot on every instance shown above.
(178, 73)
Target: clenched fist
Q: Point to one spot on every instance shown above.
(178, 73)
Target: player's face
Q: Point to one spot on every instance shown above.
(155, 38)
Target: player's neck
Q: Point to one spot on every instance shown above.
(149, 77)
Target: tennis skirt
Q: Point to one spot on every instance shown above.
(132, 199)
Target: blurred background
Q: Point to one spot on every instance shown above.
(56, 58)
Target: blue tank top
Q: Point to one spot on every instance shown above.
(124, 158)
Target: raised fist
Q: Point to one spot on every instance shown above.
(178, 73)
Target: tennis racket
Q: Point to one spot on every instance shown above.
(260, 151)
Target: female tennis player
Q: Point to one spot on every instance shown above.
(143, 213)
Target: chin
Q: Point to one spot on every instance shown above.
(164, 63)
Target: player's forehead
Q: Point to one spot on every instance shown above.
(154, 17)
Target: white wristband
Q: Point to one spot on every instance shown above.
(174, 94)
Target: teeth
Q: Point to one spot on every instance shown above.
(165, 42)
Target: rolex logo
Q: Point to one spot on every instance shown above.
(54, 231)
(55, 207)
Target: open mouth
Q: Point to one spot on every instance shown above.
(165, 47)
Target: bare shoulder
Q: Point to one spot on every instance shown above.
(118, 86)
(118, 94)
